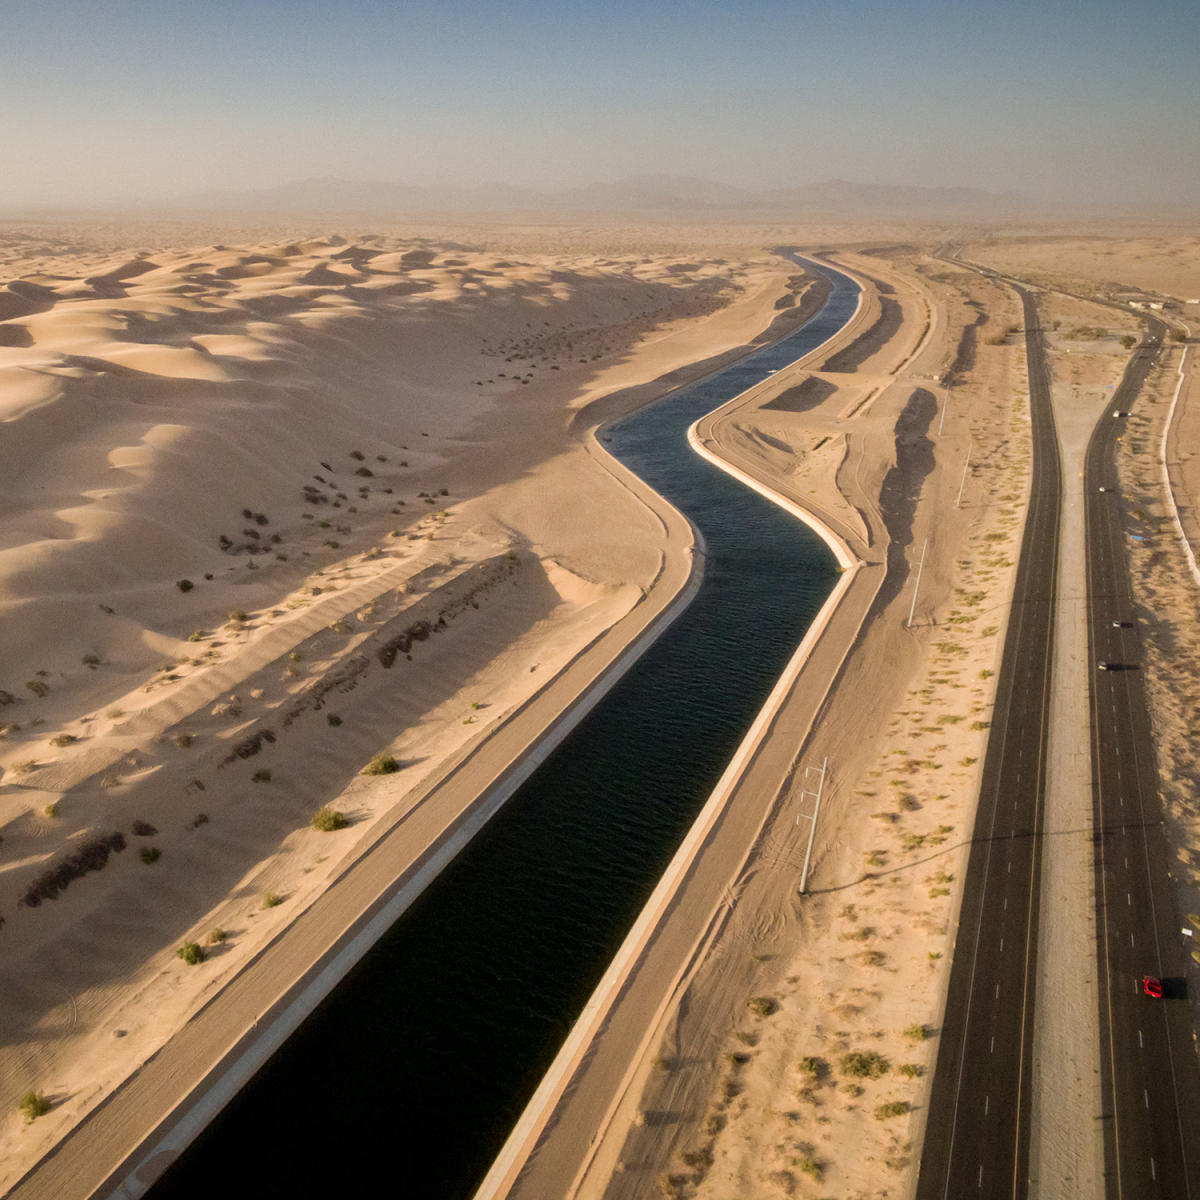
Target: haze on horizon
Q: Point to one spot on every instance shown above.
(135, 100)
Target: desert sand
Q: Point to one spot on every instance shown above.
(274, 510)
(163, 401)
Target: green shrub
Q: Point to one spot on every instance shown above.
(916, 1033)
(185, 585)
(38, 688)
(34, 1105)
(864, 1064)
(762, 1006)
(149, 854)
(271, 899)
(262, 775)
(897, 1108)
(911, 1070)
(381, 764)
(334, 720)
(809, 1166)
(812, 1065)
(329, 819)
(192, 953)
(64, 739)
(216, 936)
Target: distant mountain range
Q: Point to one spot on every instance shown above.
(640, 194)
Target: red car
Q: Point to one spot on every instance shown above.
(1152, 986)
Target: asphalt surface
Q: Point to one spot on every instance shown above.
(977, 1134)
(1150, 1075)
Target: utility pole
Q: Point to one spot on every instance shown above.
(812, 832)
(963, 482)
(917, 586)
(945, 405)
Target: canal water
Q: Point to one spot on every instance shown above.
(413, 1072)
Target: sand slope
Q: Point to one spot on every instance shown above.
(269, 510)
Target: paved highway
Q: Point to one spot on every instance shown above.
(1150, 1077)
(977, 1135)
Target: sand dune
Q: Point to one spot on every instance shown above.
(270, 510)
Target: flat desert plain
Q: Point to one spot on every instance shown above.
(295, 524)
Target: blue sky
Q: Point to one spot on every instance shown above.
(1078, 101)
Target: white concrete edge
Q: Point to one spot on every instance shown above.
(232, 1078)
(520, 1142)
(1166, 473)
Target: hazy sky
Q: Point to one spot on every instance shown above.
(1094, 100)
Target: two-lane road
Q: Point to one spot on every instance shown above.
(1150, 1077)
(977, 1135)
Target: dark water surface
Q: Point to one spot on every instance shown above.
(414, 1071)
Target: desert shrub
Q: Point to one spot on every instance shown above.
(328, 819)
(143, 829)
(91, 856)
(896, 1108)
(762, 1006)
(185, 585)
(365, 472)
(333, 719)
(262, 775)
(1128, 341)
(357, 455)
(183, 740)
(811, 1065)
(381, 764)
(90, 660)
(64, 739)
(864, 1064)
(216, 936)
(34, 1105)
(38, 687)
(192, 953)
(271, 899)
(809, 1166)
(238, 615)
(6, 698)
(249, 747)
(198, 820)
(916, 1033)
(149, 854)
(911, 1070)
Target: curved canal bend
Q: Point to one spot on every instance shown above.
(419, 1064)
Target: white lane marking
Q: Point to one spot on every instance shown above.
(1140, 1042)
(1131, 939)
(1153, 1172)
(981, 1173)
(1001, 945)
(1128, 898)
(1146, 1097)
(987, 1104)
(997, 991)
(992, 1045)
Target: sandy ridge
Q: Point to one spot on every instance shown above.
(654, 571)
